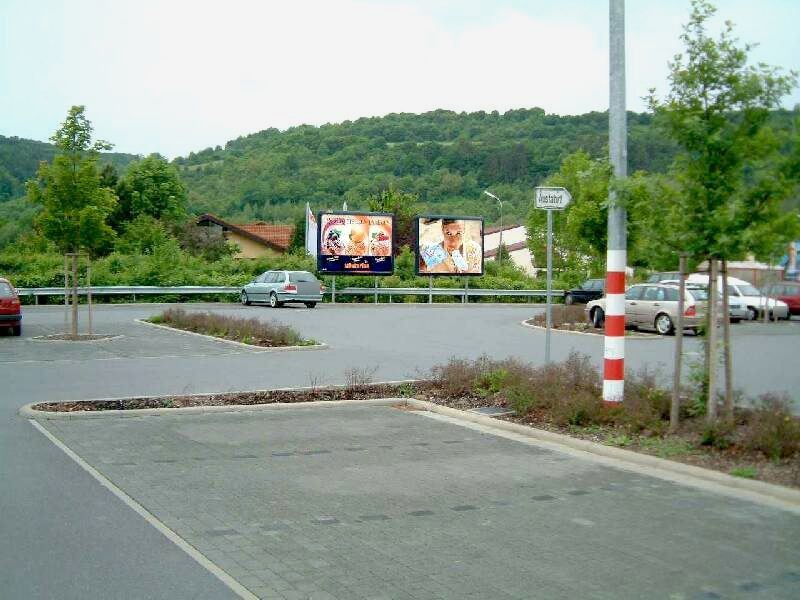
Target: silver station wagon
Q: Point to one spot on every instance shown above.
(278, 287)
(655, 306)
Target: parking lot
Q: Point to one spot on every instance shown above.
(356, 502)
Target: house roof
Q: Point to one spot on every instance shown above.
(273, 236)
(509, 248)
(491, 230)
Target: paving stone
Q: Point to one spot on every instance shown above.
(350, 503)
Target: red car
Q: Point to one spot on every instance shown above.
(786, 291)
(10, 311)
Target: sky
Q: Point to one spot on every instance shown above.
(174, 76)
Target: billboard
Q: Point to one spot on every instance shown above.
(355, 243)
(449, 245)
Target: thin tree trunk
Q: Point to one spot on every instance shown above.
(89, 290)
(75, 296)
(675, 409)
(66, 293)
(711, 412)
(726, 345)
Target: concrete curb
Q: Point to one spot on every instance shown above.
(640, 335)
(317, 346)
(27, 411)
(659, 467)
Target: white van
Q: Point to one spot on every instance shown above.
(752, 297)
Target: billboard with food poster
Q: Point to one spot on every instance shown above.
(355, 243)
(449, 245)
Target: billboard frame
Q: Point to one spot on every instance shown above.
(456, 218)
(321, 257)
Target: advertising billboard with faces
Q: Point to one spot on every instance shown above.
(449, 245)
(355, 243)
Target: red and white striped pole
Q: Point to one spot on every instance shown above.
(616, 257)
(614, 350)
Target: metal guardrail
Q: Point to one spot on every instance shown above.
(116, 290)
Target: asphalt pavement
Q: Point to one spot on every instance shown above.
(65, 536)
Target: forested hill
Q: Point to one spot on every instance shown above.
(447, 158)
(20, 158)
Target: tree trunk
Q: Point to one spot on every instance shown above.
(711, 410)
(89, 291)
(675, 409)
(726, 345)
(75, 296)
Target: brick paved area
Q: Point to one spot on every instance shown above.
(373, 502)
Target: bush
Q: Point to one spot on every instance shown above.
(772, 429)
(646, 405)
(248, 331)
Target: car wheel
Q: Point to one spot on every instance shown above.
(664, 324)
(16, 330)
(273, 301)
(752, 313)
(245, 299)
(598, 318)
(310, 304)
(569, 300)
(735, 320)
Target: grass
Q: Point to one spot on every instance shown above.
(247, 331)
(745, 472)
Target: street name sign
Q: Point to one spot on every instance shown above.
(552, 198)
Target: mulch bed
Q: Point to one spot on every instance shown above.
(784, 472)
(81, 337)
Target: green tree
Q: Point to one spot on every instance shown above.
(75, 205)
(298, 241)
(404, 207)
(150, 187)
(731, 177)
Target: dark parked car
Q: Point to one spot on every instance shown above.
(10, 310)
(785, 291)
(591, 289)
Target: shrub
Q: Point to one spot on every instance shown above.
(717, 436)
(248, 331)
(562, 315)
(646, 404)
(772, 429)
(457, 377)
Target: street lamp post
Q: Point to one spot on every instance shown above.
(500, 245)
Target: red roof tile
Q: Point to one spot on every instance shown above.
(278, 235)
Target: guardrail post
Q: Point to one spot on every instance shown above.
(430, 289)
(376, 290)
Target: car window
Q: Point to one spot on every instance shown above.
(270, 277)
(698, 293)
(651, 294)
(670, 294)
(5, 290)
(598, 285)
(749, 290)
(791, 290)
(261, 278)
(634, 293)
(653, 278)
(301, 276)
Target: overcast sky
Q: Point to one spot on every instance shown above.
(172, 76)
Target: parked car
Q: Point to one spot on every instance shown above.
(785, 291)
(591, 289)
(737, 310)
(654, 306)
(279, 287)
(662, 276)
(10, 309)
(750, 296)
